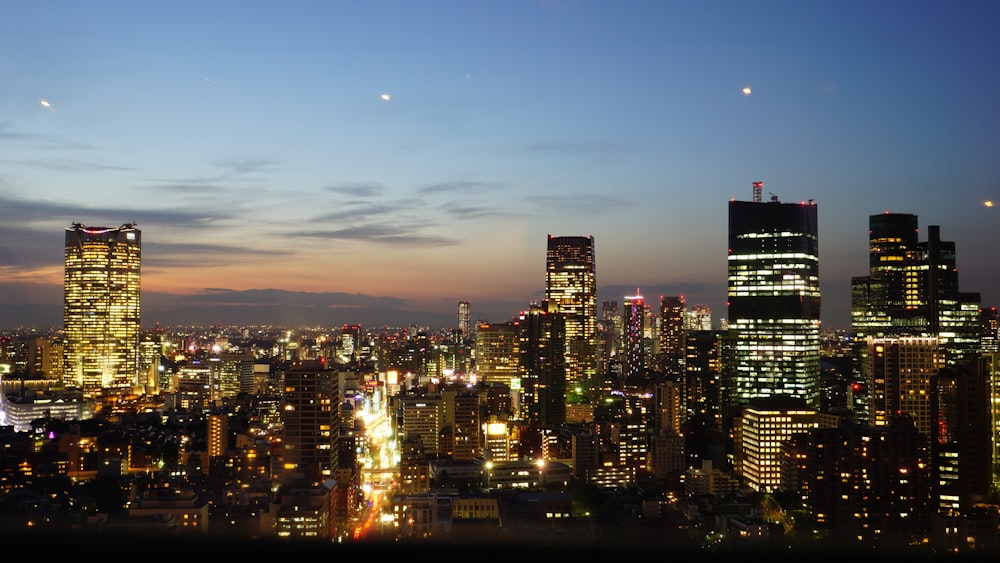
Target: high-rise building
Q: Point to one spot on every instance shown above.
(961, 438)
(464, 319)
(634, 366)
(900, 371)
(764, 424)
(101, 308)
(461, 408)
(543, 370)
(911, 290)
(571, 285)
(310, 421)
(672, 309)
(609, 335)
(698, 317)
(498, 352)
(774, 303)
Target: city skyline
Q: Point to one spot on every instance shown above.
(341, 156)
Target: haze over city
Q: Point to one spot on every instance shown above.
(356, 161)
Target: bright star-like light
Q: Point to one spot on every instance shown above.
(747, 90)
(45, 104)
(385, 97)
(988, 203)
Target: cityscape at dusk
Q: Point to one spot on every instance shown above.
(714, 276)
(385, 160)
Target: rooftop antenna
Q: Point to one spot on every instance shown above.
(757, 188)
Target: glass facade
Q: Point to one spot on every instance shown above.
(571, 286)
(774, 302)
(101, 307)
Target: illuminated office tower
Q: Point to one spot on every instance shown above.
(609, 333)
(571, 285)
(217, 439)
(461, 413)
(764, 424)
(101, 308)
(498, 354)
(421, 418)
(672, 309)
(698, 317)
(989, 321)
(991, 368)
(310, 421)
(350, 341)
(961, 438)
(774, 303)
(543, 370)
(900, 370)
(911, 290)
(44, 358)
(464, 319)
(634, 367)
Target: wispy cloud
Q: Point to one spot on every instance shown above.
(382, 234)
(462, 211)
(161, 255)
(71, 165)
(10, 133)
(458, 186)
(357, 190)
(237, 169)
(358, 212)
(243, 167)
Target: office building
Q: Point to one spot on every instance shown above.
(464, 319)
(421, 420)
(900, 371)
(961, 438)
(698, 317)
(571, 285)
(774, 302)
(461, 407)
(498, 352)
(609, 336)
(634, 365)
(766, 423)
(671, 354)
(912, 290)
(543, 365)
(310, 421)
(101, 308)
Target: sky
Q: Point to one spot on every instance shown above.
(408, 155)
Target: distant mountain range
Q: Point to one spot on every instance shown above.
(43, 317)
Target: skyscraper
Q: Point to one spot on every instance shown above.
(310, 421)
(634, 366)
(672, 309)
(464, 319)
(911, 290)
(101, 308)
(571, 285)
(542, 364)
(774, 302)
(498, 353)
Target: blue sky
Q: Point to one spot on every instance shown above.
(253, 145)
